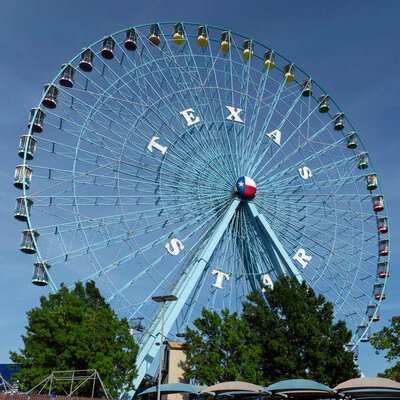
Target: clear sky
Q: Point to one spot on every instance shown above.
(350, 47)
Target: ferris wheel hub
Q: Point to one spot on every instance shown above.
(246, 187)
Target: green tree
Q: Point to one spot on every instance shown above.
(298, 336)
(221, 348)
(76, 330)
(388, 339)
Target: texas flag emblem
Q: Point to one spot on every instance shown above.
(246, 186)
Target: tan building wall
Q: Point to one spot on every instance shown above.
(175, 360)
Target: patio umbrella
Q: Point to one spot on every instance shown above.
(233, 386)
(363, 388)
(300, 387)
(169, 388)
(367, 383)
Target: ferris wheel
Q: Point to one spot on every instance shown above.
(188, 160)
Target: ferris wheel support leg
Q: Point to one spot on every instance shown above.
(276, 251)
(187, 281)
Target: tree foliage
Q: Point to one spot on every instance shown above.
(388, 339)
(220, 348)
(291, 336)
(76, 330)
(298, 335)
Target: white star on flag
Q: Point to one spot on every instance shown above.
(241, 183)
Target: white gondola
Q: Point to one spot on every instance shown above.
(373, 313)
(306, 88)
(323, 102)
(29, 237)
(23, 207)
(36, 120)
(50, 96)
(40, 276)
(379, 291)
(364, 333)
(383, 269)
(378, 204)
(28, 142)
(86, 61)
(22, 176)
(338, 121)
(383, 247)
(107, 49)
(352, 140)
(362, 161)
(67, 76)
(383, 225)
(131, 40)
(372, 182)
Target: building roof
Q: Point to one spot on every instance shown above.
(176, 345)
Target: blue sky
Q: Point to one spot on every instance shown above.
(350, 47)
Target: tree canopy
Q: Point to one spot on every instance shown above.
(76, 330)
(220, 348)
(388, 339)
(285, 333)
(298, 335)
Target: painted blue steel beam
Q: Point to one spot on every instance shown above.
(148, 347)
(272, 244)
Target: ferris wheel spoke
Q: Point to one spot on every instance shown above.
(111, 221)
(172, 90)
(255, 114)
(315, 253)
(328, 216)
(326, 232)
(245, 104)
(150, 245)
(331, 282)
(88, 123)
(172, 176)
(68, 178)
(325, 212)
(296, 148)
(200, 283)
(154, 126)
(266, 124)
(297, 130)
(210, 64)
(180, 91)
(192, 148)
(104, 95)
(181, 153)
(97, 146)
(330, 184)
(319, 169)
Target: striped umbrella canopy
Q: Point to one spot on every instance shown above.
(233, 386)
(369, 388)
(367, 383)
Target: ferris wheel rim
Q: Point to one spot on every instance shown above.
(30, 226)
